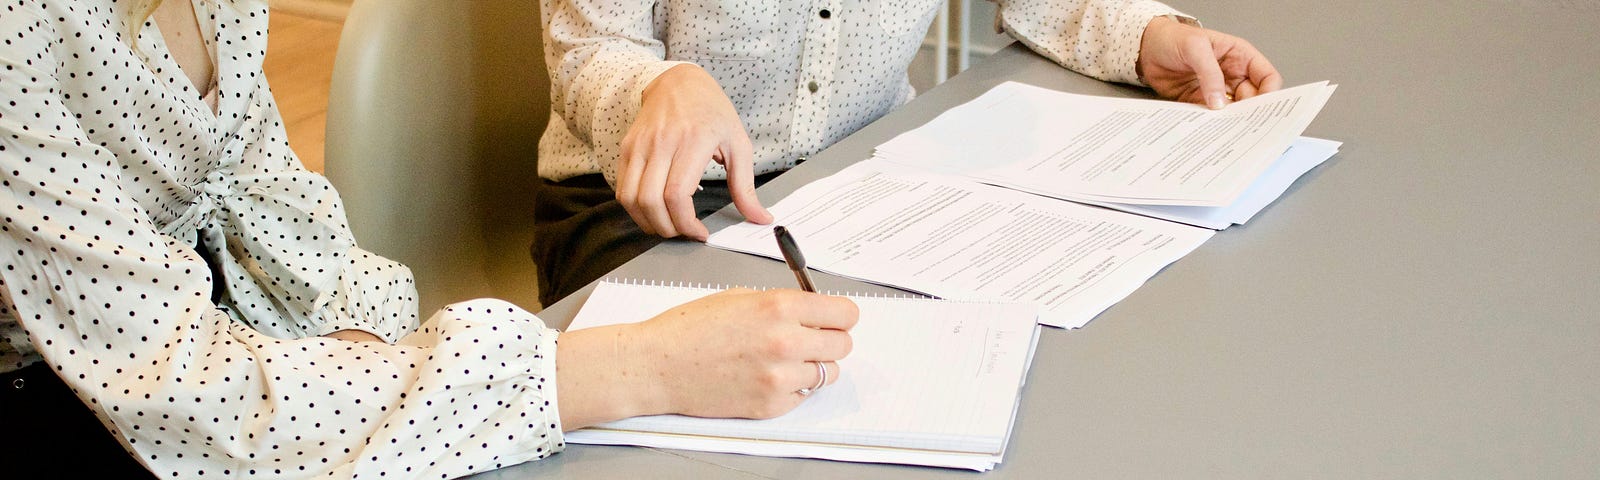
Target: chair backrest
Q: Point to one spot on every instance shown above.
(434, 119)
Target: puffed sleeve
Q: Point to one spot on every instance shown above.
(602, 54)
(123, 314)
(1098, 38)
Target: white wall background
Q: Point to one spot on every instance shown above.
(984, 42)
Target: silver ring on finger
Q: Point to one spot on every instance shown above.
(822, 379)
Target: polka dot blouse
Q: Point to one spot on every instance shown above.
(801, 73)
(176, 267)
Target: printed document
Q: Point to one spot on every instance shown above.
(949, 237)
(970, 205)
(1117, 150)
(1306, 153)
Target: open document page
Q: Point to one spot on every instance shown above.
(1106, 149)
(950, 237)
(927, 382)
(1305, 154)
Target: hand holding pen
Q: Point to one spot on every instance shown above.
(797, 263)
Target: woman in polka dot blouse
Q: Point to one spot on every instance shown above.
(652, 97)
(176, 286)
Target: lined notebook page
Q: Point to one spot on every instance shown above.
(924, 374)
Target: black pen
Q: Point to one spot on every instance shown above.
(792, 256)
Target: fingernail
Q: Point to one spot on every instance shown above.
(1216, 101)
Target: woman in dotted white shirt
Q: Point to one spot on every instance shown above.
(649, 98)
(176, 286)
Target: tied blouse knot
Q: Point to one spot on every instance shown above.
(244, 215)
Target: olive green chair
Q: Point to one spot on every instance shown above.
(434, 118)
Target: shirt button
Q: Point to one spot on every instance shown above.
(825, 13)
(813, 86)
(18, 384)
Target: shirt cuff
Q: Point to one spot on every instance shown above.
(547, 365)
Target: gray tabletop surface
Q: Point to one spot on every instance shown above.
(1426, 304)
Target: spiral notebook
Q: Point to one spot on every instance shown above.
(928, 382)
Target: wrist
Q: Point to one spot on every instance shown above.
(605, 374)
(671, 78)
(640, 361)
(1151, 30)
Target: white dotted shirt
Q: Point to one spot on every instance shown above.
(801, 73)
(112, 170)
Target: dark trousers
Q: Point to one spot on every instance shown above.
(581, 232)
(45, 432)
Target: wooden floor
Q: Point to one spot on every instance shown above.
(300, 49)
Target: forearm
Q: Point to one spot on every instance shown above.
(601, 380)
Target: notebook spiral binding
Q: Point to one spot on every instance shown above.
(724, 286)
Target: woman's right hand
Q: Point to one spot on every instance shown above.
(739, 353)
(685, 121)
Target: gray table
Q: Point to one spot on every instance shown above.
(1424, 305)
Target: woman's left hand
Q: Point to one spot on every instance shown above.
(1198, 65)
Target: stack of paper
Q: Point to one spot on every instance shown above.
(1306, 153)
(970, 205)
(928, 382)
(1119, 151)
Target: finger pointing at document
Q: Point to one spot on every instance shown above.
(685, 121)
